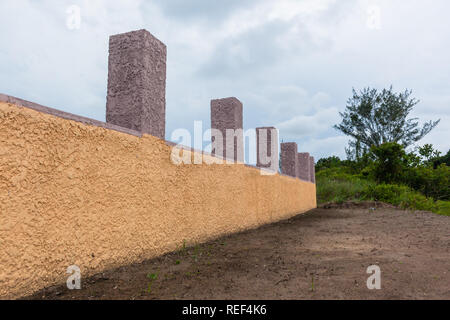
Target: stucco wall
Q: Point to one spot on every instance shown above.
(78, 194)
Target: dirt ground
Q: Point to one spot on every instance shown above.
(323, 254)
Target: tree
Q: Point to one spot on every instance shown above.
(428, 154)
(442, 160)
(327, 163)
(373, 118)
(355, 150)
(390, 162)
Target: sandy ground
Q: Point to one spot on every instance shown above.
(323, 254)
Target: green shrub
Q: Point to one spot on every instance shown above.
(336, 186)
(388, 174)
(443, 208)
(327, 163)
(340, 190)
(442, 160)
(338, 173)
(390, 162)
(416, 201)
(431, 182)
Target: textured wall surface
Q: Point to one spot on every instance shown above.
(289, 159)
(304, 166)
(226, 114)
(77, 194)
(268, 157)
(137, 83)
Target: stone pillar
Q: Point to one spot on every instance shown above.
(226, 117)
(289, 159)
(267, 148)
(312, 169)
(304, 167)
(137, 83)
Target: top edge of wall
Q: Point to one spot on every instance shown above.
(70, 116)
(193, 150)
(65, 115)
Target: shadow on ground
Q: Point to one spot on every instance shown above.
(323, 254)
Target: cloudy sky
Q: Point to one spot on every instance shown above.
(292, 63)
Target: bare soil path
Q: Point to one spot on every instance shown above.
(323, 254)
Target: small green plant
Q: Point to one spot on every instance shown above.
(182, 249)
(196, 253)
(177, 262)
(152, 277)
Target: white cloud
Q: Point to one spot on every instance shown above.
(291, 62)
(326, 147)
(302, 126)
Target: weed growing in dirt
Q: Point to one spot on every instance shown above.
(152, 277)
(196, 253)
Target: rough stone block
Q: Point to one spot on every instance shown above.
(226, 117)
(267, 148)
(137, 83)
(289, 159)
(304, 168)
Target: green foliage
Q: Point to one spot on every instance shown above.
(152, 277)
(388, 193)
(372, 118)
(378, 166)
(431, 182)
(429, 154)
(390, 162)
(443, 208)
(401, 196)
(442, 160)
(387, 174)
(327, 163)
(341, 190)
(344, 187)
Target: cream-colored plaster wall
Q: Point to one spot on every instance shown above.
(75, 194)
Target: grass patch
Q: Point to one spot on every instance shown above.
(338, 187)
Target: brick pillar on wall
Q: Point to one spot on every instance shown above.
(137, 83)
(226, 114)
(267, 148)
(312, 170)
(304, 167)
(289, 159)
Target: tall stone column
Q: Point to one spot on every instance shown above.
(304, 167)
(289, 159)
(226, 118)
(137, 83)
(267, 148)
(312, 170)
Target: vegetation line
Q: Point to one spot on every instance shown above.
(383, 163)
